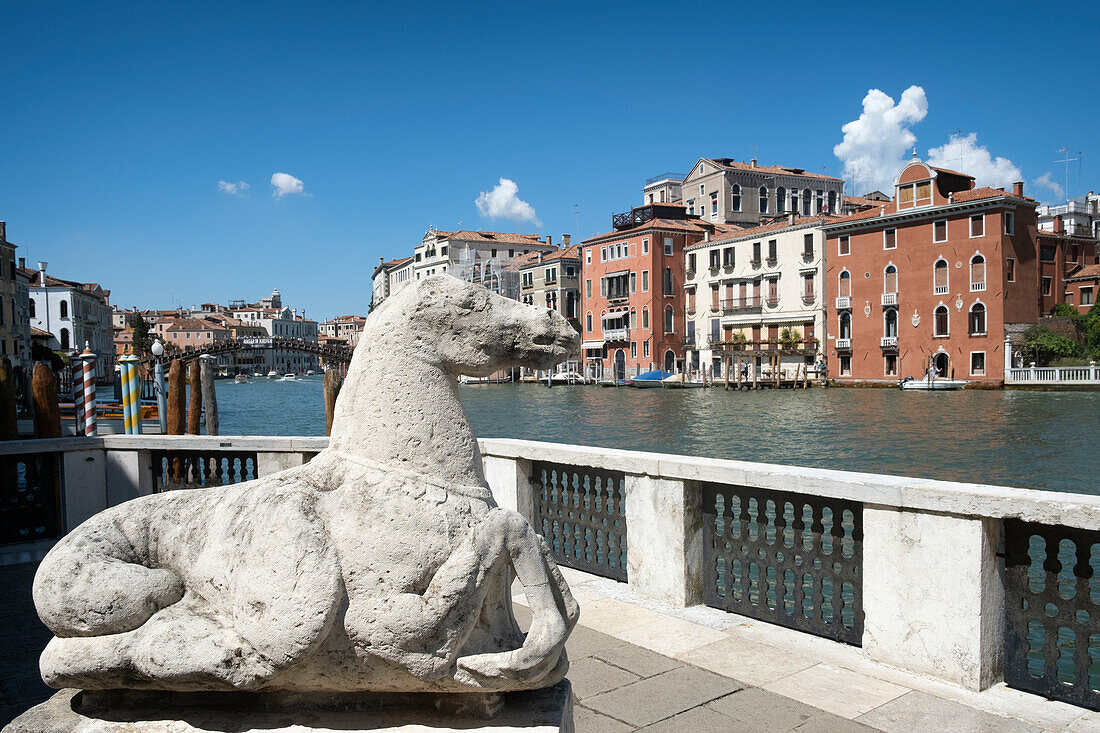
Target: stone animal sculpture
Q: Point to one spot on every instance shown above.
(381, 565)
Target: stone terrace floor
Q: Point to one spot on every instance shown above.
(638, 666)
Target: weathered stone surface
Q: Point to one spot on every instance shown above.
(381, 565)
(549, 710)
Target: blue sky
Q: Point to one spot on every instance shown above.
(120, 119)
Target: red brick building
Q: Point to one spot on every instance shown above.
(1083, 287)
(1060, 254)
(632, 290)
(941, 275)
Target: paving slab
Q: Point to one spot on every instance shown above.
(748, 661)
(1087, 723)
(921, 711)
(591, 676)
(586, 643)
(757, 709)
(827, 723)
(641, 662)
(670, 636)
(586, 720)
(614, 617)
(837, 690)
(696, 720)
(662, 696)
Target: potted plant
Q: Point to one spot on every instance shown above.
(789, 338)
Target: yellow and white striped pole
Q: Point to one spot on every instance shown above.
(131, 395)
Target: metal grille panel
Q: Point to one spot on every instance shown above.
(30, 497)
(788, 559)
(180, 469)
(1052, 611)
(581, 513)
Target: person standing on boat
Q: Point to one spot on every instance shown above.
(932, 372)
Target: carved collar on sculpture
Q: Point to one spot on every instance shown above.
(421, 480)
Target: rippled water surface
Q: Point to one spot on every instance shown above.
(1043, 440)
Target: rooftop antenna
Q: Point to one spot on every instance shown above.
(577, 218)
(1067, 160)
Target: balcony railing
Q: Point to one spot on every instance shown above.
(801, 345)
(740, 304)
(809, 298)
(771, 261)
(616, 334)
(889, 299)
(844, 343)
(665, 177)
(939, 290)
(889, 342)
(807, 256)
(843, 302)
(977, 287)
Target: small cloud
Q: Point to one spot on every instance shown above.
(874, 146)
(1045, 181)
(963, 153)
(285, 184)
(233, 189)
(503, 203)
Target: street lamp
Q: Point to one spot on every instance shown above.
(45, 292)
(157, 348)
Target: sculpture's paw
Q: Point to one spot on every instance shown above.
(514, 670)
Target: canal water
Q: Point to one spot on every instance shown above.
(1042, 440)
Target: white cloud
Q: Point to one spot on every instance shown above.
(285, 184)
(874, 146)
(503, 203)
(1045, 181)
(233, 189)
(963, 153)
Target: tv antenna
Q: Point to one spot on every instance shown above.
(1067, 160)
(577, 218)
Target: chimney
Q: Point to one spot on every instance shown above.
(706, 235)
(791, 216)
(565, 238)
(753, 162)
(1058, 228)
(3, 231)
(540, 258)
(548, 239)
(22, 263)
(1018, 189)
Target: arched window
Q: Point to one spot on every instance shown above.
(64, 338)
(807, 202)
(890, 322)
(939, 277)
(890, 280)
(588, 322)
(633, 318)
(794, 201)
(977, 273)
(780, 200)
(32, 307)
(845, 290)
(763, 199)
(669, 322)
(977, 319)
(832, 202)
(670, 360)
(645, 317)
(735, 203)
(64, 309)
(940, 322)
(845, 325)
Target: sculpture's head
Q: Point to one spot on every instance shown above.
(475, 332)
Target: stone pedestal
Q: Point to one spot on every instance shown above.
(549, 710)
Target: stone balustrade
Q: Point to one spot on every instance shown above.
(915, 572)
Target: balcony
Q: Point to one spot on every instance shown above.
(669, 176)
(844, 302)
(730, 305)
(773, 302)
(939, 290)
(887, 342)
(809, 298)
(616, 334)
(977, 287)
(771, 261)
(845, 344)
(755, 262)
(889, 299)
(617, 298)
(807, 256)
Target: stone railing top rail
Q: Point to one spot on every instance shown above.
(943, 497)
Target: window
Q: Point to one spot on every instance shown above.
(939, 277)
(701, 189)
(691, 206)
(633, 349)
(773, 292)
(633, 282)
(1046, 285)
(763, 200)
(1046, 252)
(940, 321)
(691, 300)
(668, 281)
(832, 202)
(645, 318)
(32, 307)
(807, 202)
(977, 320)
(668, 246)
(1010, 223)
(1086, 296)
(588, 256)
(714, 254)
(820, 200)
(669, 320)
(772, 251)
(845, 288)
(735, 198)
(808, 287)
(633, 318)
(977, 363)
(924, 192)
(977, 273)
(890, 365)
(645, 246)
(794, 201)
(845, 366)
(727, 257)
(890, 323)
(645, 281)
(1010, 270)
(714, 204)
(889, 239)
(714, 296)
(588, 288)
(939, 231)
(845, 325)
(905, 195)
(808, 246)
(65, 337)
(890, 279)
(977, 225)
(780, 200)
(756, 253)
(645, 349)
(844, 245)
(691, 262)
(603, 254)
(64, 309)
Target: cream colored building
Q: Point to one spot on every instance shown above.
(757, 295)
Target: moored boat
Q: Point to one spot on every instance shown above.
(931, 384)
(677, 381)
(649, 380)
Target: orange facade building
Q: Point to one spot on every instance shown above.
(940, 276)
(632, 290)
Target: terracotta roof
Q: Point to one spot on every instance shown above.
(39, 333)
(492, 237)
(194, 324)
(960, 197)
(776, 226)
(1085, 272)
(684, 225)
(985, 192)
(1064, 235)
(950, 172)
(572, 252)
(782, 170)
(861, 201)
(395, 263)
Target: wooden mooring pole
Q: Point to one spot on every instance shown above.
(194, 399)
(330, 388)
(47, 417)
(9, 423)
(209, 396)
(177, 398)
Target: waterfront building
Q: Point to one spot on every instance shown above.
(1062, 250)
(277, 320)
(726, 191)
(633, 291)
(756, 295)
(1079, 216)
(552, 280)
(23, 359)
(74, 314)
(14, 320)
(1083, 287)
(346, 328)
(472, 255)
(941, 275)
(389, 277)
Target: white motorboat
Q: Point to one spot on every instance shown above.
(310, 372)
(568, 378)
(932, 384)
(272, 374)
(289, 375)
(677, 381)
